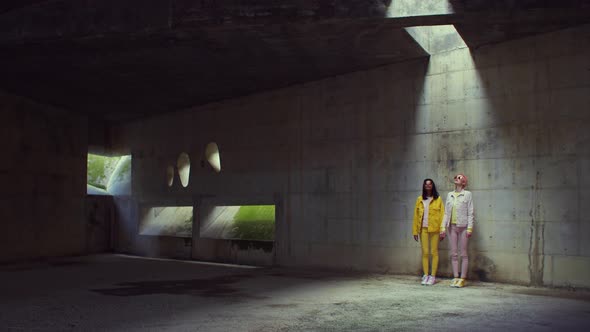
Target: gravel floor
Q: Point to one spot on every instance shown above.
(123, 293)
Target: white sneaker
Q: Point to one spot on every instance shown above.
(431, 280)
(424, 280)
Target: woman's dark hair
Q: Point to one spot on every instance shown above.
(434, 192)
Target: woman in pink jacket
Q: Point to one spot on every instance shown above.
(459, 220)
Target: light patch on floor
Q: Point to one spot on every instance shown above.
(118, 293)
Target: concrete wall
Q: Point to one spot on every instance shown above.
(43, 176)
(344, 159)
(99, 218)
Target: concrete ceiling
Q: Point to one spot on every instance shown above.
(119, 60)
(502, 20)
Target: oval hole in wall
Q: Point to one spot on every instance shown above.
(170, 175)
(184, 168)
(213, 157)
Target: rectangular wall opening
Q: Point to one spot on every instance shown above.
(238, 222)
(166, 221)
(108, 175)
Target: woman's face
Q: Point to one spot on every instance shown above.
(428, 186)
(458, 179)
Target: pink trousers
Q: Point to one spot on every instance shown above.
(458, 238)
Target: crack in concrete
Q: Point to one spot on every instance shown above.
(536, 239)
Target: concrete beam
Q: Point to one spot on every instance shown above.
(9, 5)
(512, 5)
(69, 19)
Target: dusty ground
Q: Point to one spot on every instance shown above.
(120, 293)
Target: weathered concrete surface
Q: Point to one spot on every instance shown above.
(123, 77)
(433, 39)
(99, 218)
(344, 158)
(118, 60)
(512, 5)
(43, 174)
(527, 18)
(47, 20)
(114, 293)
(407, 8)
(70, 18)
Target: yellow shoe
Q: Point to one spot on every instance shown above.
(460, 283)
(454, 282)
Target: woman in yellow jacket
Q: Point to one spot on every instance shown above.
(428, 216)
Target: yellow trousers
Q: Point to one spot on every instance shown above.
(432, 240)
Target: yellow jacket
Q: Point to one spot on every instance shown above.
(436, 211)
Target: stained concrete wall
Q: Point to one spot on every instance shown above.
(99, 218)
(43, 176)
(344, 159)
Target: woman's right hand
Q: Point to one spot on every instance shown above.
(416, 238)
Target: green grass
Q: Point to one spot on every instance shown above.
(255, 222)
(96, 177)
(255, 212)
(100, 169)
(125, 169)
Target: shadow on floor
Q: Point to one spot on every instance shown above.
(220, 286)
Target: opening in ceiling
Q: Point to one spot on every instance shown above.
(437, 38)
(406, 8)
